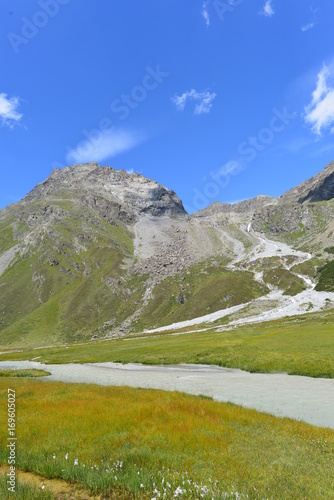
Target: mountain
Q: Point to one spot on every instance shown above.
(113, 193)
(94, 252)
(303, 215)
(318, 188)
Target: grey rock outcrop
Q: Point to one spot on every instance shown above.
(114, 193)
(318, 188)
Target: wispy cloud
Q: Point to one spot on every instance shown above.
(107, 144)
(308, 26)
(8, 110)
(267, 10)
(203, 100)
(311, 24)
(320, 112)
(205, 13)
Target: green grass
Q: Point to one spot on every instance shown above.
(301, 346)
(308, 268)
(326, 278)
(23, 373)
(206, 287)
(47, 304)
(23, 491)
(284, 280)
(6, 236)
(122, 438)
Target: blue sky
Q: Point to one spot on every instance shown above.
(218, 99)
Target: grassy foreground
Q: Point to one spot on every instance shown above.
(140, 443)
(24, 373)
(301, 347)
(23, 491)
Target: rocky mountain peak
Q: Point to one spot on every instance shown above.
(109, 189)
(318, 188)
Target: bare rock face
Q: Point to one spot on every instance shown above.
(318, 188)
(118, 194)
(298, 212)
(242, 207)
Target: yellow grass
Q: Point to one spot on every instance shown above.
(160, 435)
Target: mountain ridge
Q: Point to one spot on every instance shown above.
(96, 251)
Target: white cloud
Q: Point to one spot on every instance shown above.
(205, 13)
(105, 144)
(267, 10)
(203, 100)
(320, 112)
(8, 110)
(307, 27)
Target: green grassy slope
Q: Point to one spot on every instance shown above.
(326, 278)
(205, 288)
(73, 278)
(68, 281)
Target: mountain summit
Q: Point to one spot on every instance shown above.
(121, 194)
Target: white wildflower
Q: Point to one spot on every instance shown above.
(179, 491)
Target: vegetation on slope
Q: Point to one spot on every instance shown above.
(283, 279)
(68, 281)
(326, 278)
(205, 288)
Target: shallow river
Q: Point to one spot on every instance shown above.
(301, 398)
